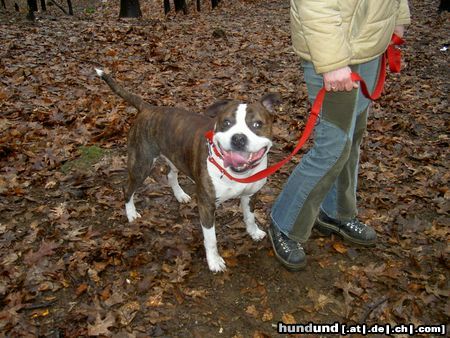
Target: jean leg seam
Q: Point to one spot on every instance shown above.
(331, 165)
(309, 194)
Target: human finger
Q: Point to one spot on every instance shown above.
(348, 85)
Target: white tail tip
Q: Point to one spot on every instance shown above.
(99, 72)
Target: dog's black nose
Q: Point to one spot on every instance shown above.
(239, 141)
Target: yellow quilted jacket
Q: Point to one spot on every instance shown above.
(337, 33)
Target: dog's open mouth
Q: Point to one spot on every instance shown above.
(240, 161)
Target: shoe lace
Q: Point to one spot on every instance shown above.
(288, 244)
(356, 225)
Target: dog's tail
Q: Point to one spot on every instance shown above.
(133, 99)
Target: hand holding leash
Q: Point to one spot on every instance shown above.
(339, 80)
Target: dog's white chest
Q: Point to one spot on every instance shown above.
(227, 189)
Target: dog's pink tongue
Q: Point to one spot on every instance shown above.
(233, 159)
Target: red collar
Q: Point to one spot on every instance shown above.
(211, 146)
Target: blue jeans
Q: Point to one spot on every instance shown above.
(327, 175)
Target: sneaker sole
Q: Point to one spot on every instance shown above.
(327, 229)
(289, 266)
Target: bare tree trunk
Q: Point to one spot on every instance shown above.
(444, 6)
(32, 5)
(130, 9)
(166, 6)
(180, 5)
(43, 5)
(69, 4)
(4, 4)
(214, 3)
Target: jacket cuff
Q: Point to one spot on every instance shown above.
(404, 15)
(320, 69)
(403, 21)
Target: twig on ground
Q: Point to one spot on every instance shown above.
(59, 6)
(372, 307)
(38, 305)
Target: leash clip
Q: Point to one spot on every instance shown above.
(208, 144)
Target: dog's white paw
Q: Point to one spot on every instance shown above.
(257, 234)
(133, 216)
(131, 212)
(216, 263)
(99, 72)
(182, 197)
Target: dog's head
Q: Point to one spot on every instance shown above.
(243, 132)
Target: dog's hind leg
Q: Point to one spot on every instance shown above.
(172, 177)
(139, 168)
(249, 219)
(130, 209)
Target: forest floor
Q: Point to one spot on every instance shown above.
(71, 265)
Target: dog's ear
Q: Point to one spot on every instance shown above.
(216, 108)
(270, 100)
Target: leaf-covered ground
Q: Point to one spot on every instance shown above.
(71, 265)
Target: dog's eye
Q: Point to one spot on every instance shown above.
(257, 124)
(226, 123)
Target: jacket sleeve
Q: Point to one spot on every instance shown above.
(403, 16)
(325, 38)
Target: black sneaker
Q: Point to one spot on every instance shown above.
(289, 252)
(353, 230)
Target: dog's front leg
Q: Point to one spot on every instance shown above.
(247, 206)
(207, 220)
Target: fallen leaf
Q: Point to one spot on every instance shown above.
(116, 298)
(100, 327)
(267, 316)
(322, 301)
(251, 310)
(154, 300)
(339, 247)
(93, 275)
(39, 314)
(260, 334)
(10, 258)
(288, 318)
(81, 289)
(196, 293)
(46, 249)
(231, 261)
(127, 312)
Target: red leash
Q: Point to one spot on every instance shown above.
(392, 54)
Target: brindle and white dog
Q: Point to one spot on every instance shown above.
(242, 135)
